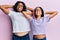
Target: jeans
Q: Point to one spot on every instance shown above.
(15, 37)
(39, 39)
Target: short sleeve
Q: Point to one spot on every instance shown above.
(10, 12)
(29, 12)
(47, 18)
(31, 19)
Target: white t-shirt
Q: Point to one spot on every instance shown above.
(20, 23)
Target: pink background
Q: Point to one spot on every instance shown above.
(53, 27)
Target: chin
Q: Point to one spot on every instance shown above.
(19, 10)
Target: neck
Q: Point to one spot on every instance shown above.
(20, 12)
(38, 17)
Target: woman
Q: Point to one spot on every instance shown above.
(39, 22)
(20, 24)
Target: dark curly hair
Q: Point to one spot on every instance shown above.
(16, 4)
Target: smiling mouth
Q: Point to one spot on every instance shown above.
(19, 8)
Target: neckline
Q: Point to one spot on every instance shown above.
(19, 12)
(38, 19)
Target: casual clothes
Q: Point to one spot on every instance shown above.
(39, 39)
(39, 26)
(20, 23)
(26, 37)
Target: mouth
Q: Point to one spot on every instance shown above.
(19, 8)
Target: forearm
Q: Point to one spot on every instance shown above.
(30, 9)
(6, 6)
(26, 15)
(51, 12)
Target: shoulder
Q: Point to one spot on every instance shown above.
(31, 19)
(11, 12)
(46, 18)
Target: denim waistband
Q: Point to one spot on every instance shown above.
(39, 39)
(21, 36)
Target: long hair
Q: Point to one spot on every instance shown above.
(42, 11)
(16, 4)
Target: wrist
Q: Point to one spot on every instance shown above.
(0, 7)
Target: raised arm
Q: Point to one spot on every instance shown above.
(4, 8)
(28, 8)
(52, 13)
(26, 14)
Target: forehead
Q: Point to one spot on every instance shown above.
(20, 4)
(38, 9)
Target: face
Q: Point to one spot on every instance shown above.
(38, 12)
(20, 7)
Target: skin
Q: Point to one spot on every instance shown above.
(38, 13)
(20, 7)
(4, 8)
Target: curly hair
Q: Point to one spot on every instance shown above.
(16, 4)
